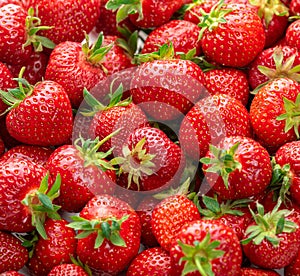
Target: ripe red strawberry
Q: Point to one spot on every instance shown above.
(13, 255)
(287, 158)
(221, 38)
(84, 172)
(292, 34)
(221, 248)
(271, 240)
(154, 261)
(109, 234)
(251, 271)
(144, 210)
(57, 249)
(273, 63)
(238, 167)
(294, 267)
(11, 273)
(32, 190)
(36, 154)
(294, 6)
(67, 270)
(166, 87)
(6, 82)
(234, 214)
(145, 14)
(35, 67)
(170, 215)
(149, 161)
(118, 114)
(183, 35)
(39, 115)
(210, 120)
(276, 105)
(5, 2)
(69, 19)
(230, 81)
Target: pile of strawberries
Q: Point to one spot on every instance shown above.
(146, 137)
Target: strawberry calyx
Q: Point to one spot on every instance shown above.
(125, 8)
(78, 262)
(95, 53)
(96, 106)
(14, 96)
(215, 210)
(89, 151)
(210, 21)
(130, 41)
(40, 205)
(267, 9)
(291, 115)
(282, 69)
(136, 162)
(222, 162)
(198, 257)
(108, 229)
(32, 26)
(268, 226)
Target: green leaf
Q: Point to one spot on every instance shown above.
(84, 234)
(54, 191)
(45, 200)
(117, 240)
(99, 240)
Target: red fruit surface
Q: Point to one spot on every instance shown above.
(251, 271)
(67, 270)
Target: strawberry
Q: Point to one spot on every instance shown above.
(210, 120)
(18, 34)
(67, 269)
(294, 6)
(183, 35)
(36, 154)
(39, 115)
(276, 105)
(238, 167)
(292, 34)
(13, 255)
(149, 161)
(221, 29)
(15, 2)
(294, 267)
(117, 114)
(69, 19)
(109, 234)
(273, 63)
(166, 87)
(2, 147)
(56, 249)
(11, 273)
(170, 215)
(251, 271)
(271, 239)
(206, 247)
(87, 173)
(6, 82)
(154, 261)
(144, 14)
(287, 159)
(27, 203)
(230, 81)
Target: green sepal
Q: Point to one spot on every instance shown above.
(130, 43)
(78, 262)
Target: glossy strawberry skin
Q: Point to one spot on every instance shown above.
(166, 89)
(240, 39)
(13, 35)
(6, 82)
(69, 18)
(169, 216)
(266, 106)
(256, 169)
(292, 34)
(80, 183)
(35, 154)
(154, 261)
(251, 271)
(183, 35)
(67, 269)
(108, 257)
(56, 249)
(210, 120)
(13, 255)
(294, 267)
(289, 154)
(265, 58)
(26, 176)
(228, 264)
(44, 118)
